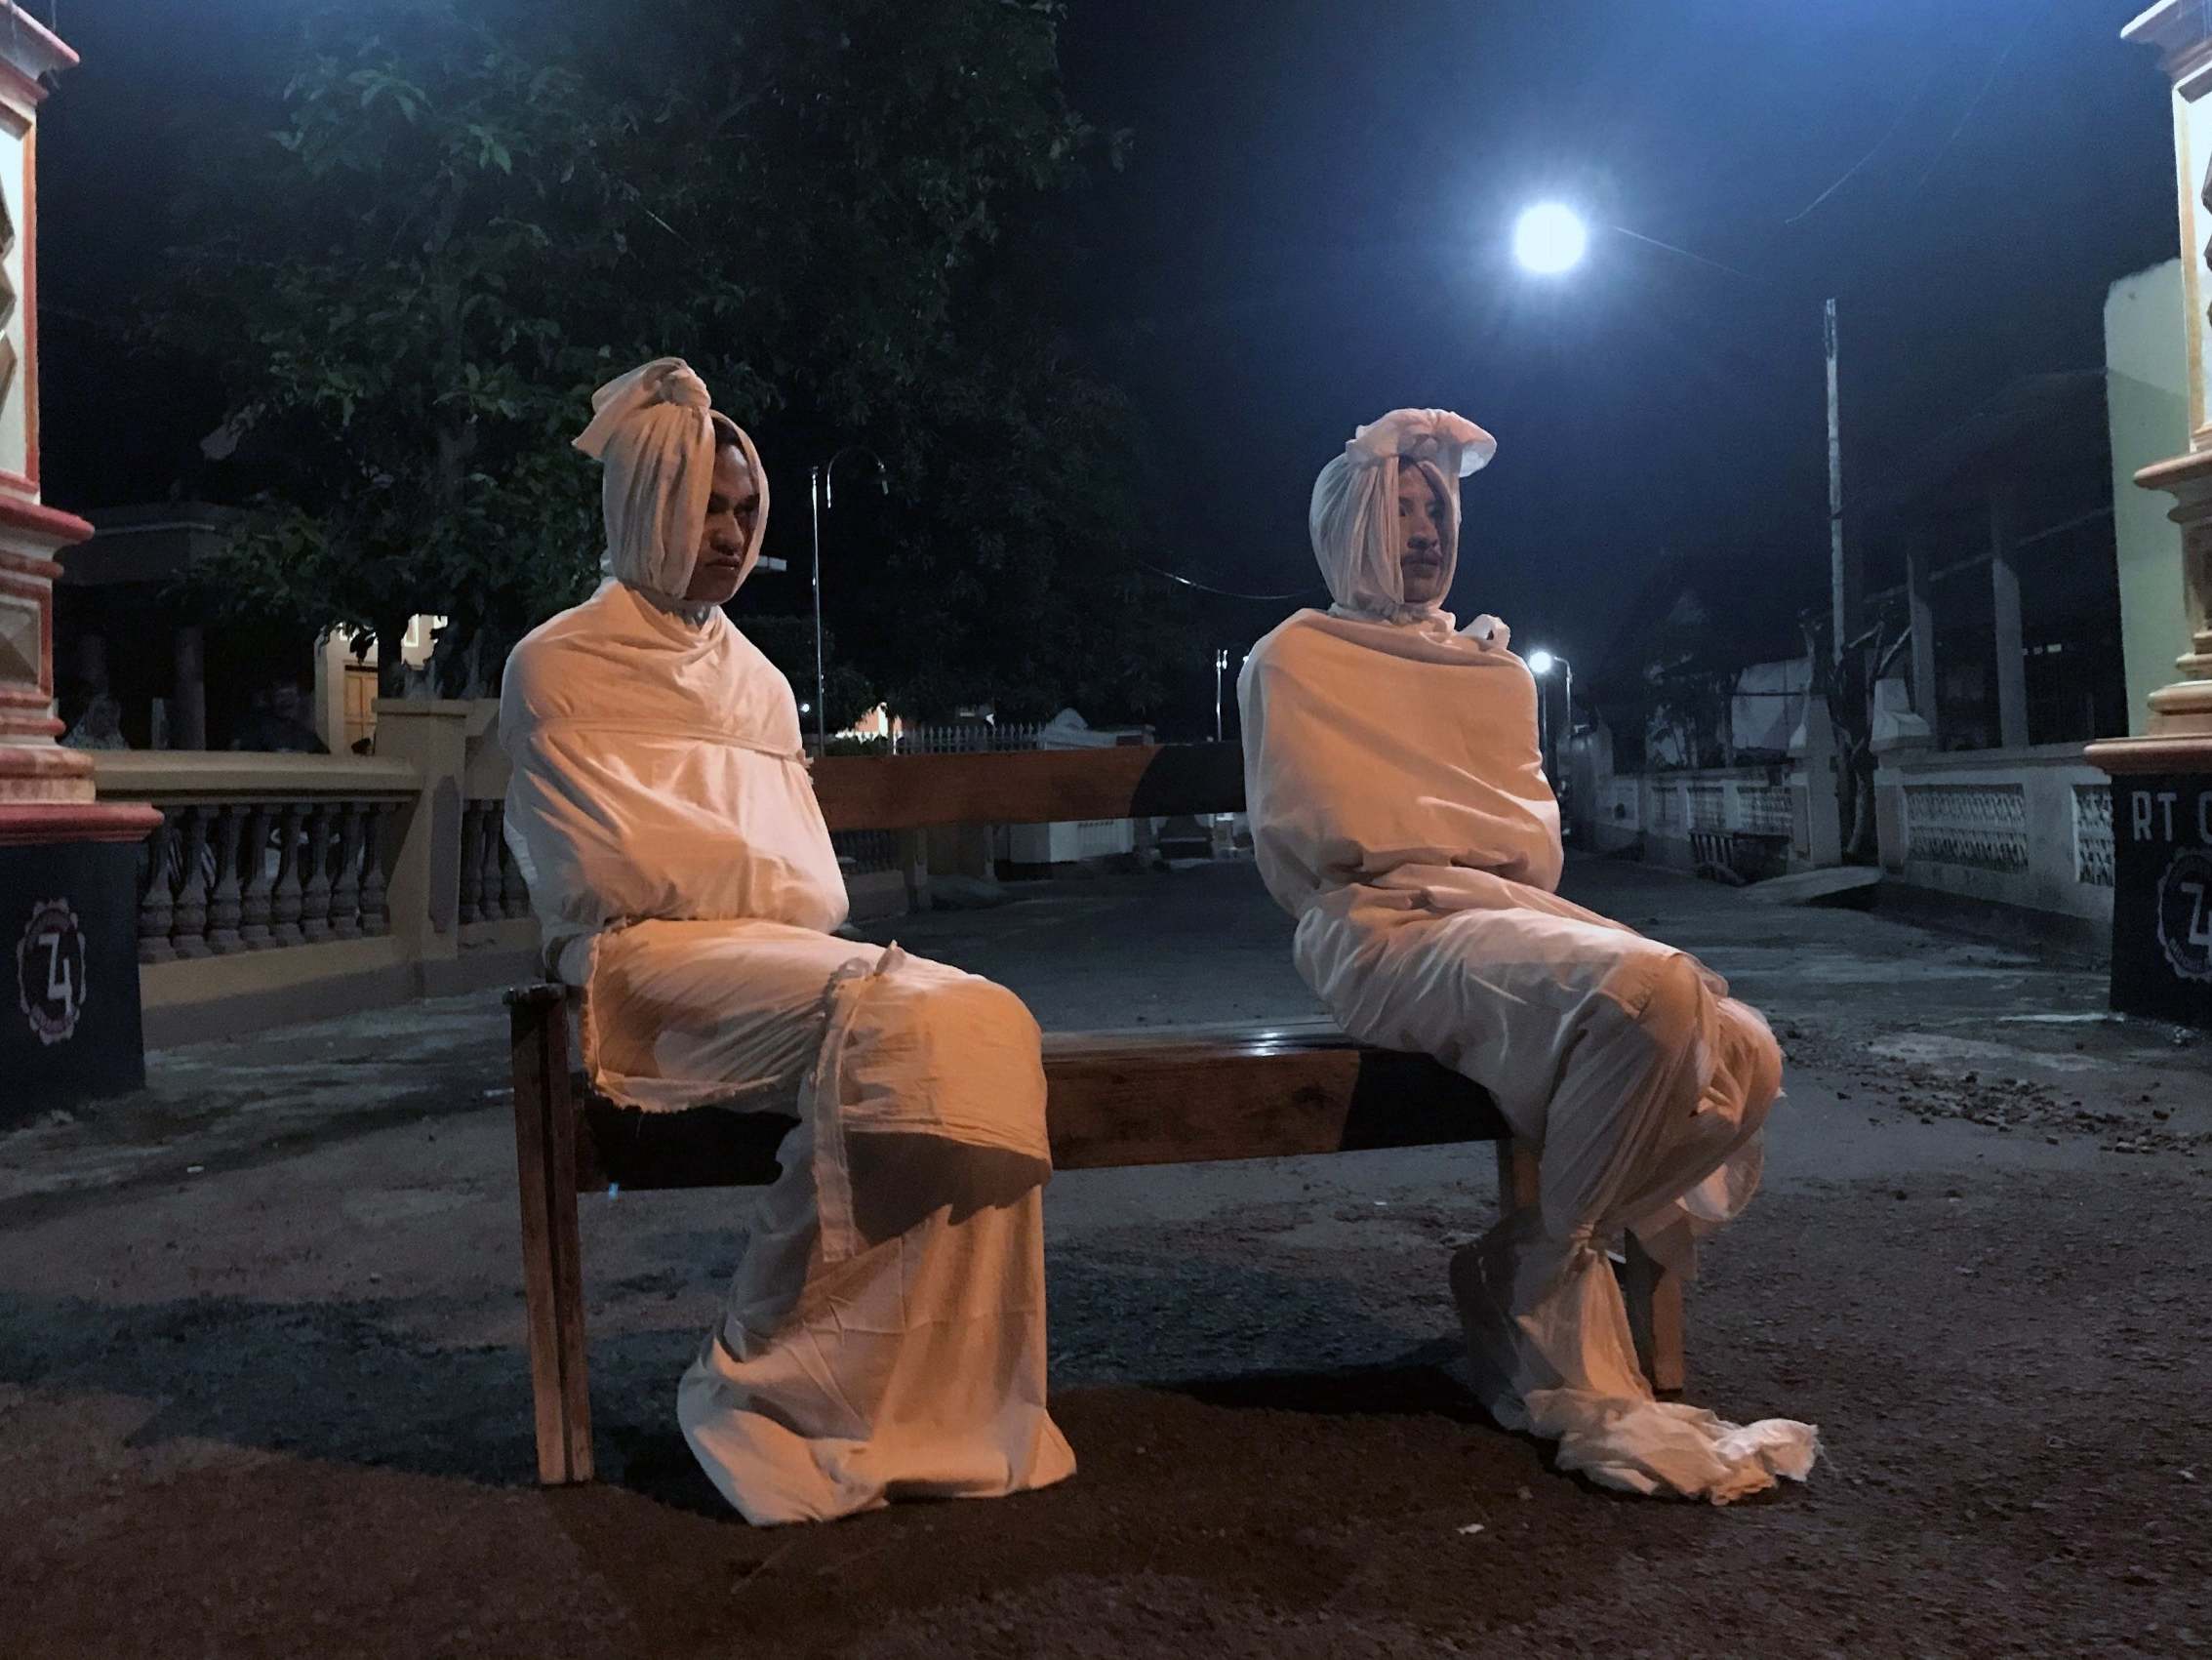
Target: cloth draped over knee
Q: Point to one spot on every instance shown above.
(1400, 812)
(856, 1040)
(884, 1334)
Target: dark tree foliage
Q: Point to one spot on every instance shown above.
(410, 261)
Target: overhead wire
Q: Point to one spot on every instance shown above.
(1897, 121)
(1225, 592)
(1856, 168)
(1988, 81)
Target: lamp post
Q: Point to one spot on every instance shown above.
(1541, 663)
(1220, 668)
(1551, 238)
(821, 484)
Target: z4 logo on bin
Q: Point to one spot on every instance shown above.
(49, 971)
(2185, 915)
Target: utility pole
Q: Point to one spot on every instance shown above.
(1843, 581)
(820, 679)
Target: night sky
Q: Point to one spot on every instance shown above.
(1314, 229)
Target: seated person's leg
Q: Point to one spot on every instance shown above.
(740, 1003)
(1627, 1088)
(915, 1364)
(1663, 1080)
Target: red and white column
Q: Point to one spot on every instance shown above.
(69, 862)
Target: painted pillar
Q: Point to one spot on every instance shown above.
(1921, 597)
(69, 864)
(2147, 402)
(2162, 774)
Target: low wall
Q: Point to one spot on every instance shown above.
(2030, 829)
(1683, 820)
(282, 888)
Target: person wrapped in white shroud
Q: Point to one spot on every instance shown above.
(884, 1333)
(1401, 813)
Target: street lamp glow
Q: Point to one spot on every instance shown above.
(1551, 238)
(1540, 662)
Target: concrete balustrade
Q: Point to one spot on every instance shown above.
(289, 887)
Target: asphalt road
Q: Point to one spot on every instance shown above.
(262, 1389)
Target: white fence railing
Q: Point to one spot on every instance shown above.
(2030, 828)
(968, 738)
(260, 852)
(281, 886)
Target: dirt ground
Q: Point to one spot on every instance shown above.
(261, 1390)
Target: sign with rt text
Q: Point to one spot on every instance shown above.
(2162, 897)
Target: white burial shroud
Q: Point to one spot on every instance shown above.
(884, 1334)
(1400, 812)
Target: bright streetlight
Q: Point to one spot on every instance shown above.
(1541, 663)
(1551, 238)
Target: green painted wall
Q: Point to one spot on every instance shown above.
(2146, 374)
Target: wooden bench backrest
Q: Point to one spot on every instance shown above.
(1029, 787)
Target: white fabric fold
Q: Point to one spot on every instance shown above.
(884, 1333)
(1387, 748)
(659, 774)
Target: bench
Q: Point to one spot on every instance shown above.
(1113, 1098)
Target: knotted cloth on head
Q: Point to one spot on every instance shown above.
(655, 433)
(1353, 518)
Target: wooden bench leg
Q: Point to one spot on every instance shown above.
(1516, 1175)
(1654, 1296)
(545, 1145)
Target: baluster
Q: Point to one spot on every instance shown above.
(493, 903)
(471, 862)
(226, 903)
(286, 907)
(376, 909)
(314, 892)
(188, 927)
(257, 899)
(345, 892)
(157, 902)
(512, 888)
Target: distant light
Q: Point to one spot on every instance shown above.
(806, 708)
(1540, 662)
(1549, 238)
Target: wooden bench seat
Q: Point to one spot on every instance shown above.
(1120, 1097)
(1174, 1095)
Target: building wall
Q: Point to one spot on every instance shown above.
(2146, 396)
(2030, 828)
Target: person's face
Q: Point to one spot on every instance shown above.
(285, 702)
(733, 506)
(1420, 524)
